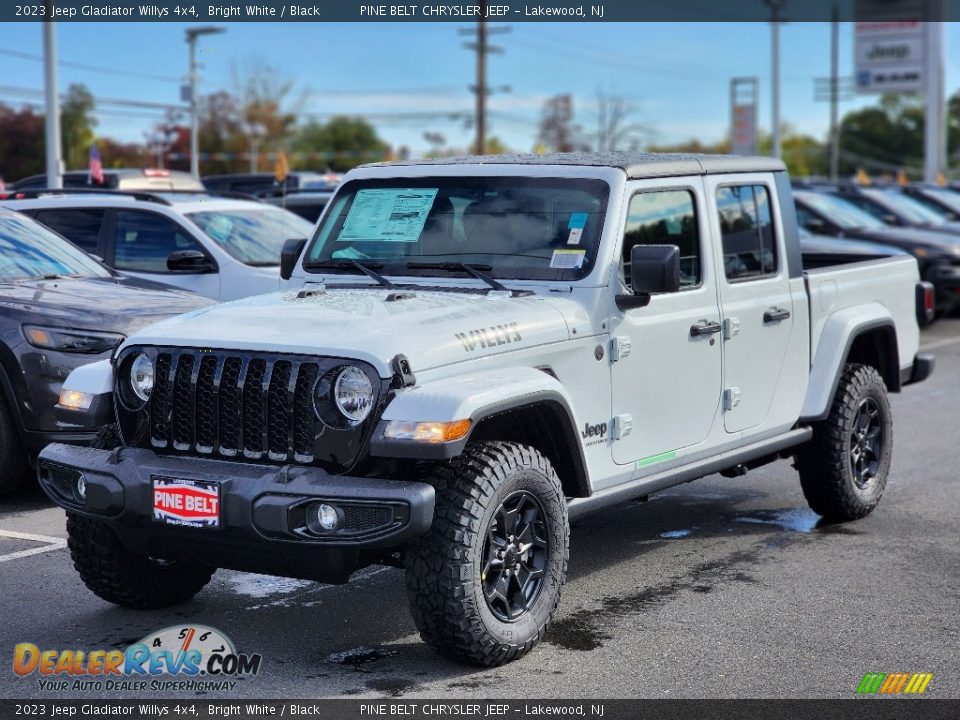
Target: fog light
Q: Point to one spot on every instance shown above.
(327, 517)
(81, 488)
(75, 400)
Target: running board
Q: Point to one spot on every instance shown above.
(578, 507)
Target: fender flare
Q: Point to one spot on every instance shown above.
(478, 396)
(839, 333)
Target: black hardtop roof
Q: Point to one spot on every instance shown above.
(636, 165)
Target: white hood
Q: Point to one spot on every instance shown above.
(431, 328)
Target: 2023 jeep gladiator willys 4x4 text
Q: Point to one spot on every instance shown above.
(469, 354)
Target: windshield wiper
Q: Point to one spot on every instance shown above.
(348, 264)
(463, 267)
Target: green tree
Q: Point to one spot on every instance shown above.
(76, 125)
(340, 144)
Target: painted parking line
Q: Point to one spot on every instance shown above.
(49, 544)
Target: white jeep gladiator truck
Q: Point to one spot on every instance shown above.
(471, 353)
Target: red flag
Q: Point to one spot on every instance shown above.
(96, 167)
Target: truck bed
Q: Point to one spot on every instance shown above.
(839, 293)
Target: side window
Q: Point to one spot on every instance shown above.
(804, 217)
(145, 240)
(749, 245)
(665, 217)
(81, 226)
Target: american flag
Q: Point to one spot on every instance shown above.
(96, 167)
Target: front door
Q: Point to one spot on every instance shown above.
(669, 383)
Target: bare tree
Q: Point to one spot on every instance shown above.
(267, 112)
(616, 128)
(558, 131)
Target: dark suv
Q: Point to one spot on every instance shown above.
(59, 309)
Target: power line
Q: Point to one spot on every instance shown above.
(92, 68)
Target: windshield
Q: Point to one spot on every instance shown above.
(512, 227)
(255, 236)
(840, 212)
(28, 251)
(910, 209)
(947, 197)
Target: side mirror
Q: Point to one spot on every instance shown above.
(192, 261)
(289, 255)
(815, 224)
(653, 269)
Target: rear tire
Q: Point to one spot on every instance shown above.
(485, 581)
(123, 578)
(14, 466)
(844, 468)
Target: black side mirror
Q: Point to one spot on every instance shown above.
(192, 261)
(289, 255)
(653, 269)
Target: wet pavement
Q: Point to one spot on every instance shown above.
(719, 588)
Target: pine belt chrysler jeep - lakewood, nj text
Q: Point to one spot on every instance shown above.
(471, 353)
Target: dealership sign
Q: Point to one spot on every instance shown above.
(889, 56)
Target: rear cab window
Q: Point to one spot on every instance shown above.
(81, 226)
(747, 232)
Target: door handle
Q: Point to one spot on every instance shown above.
(704, 327)
(775, 315)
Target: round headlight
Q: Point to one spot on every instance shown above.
(141, 377)
(353, 394)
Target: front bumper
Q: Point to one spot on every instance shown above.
(262, 515)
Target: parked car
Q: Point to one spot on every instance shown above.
(59, 309)
(218, 247)
(118, 179)
(259, 183)
(471, 354)
(308, 204)
(937, 252)
(825, 251)
(892, 206)
(940, 199)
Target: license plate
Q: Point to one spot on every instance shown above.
(189, 503)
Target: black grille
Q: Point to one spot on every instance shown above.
(62, 480)
(257, 408)
(357, 518)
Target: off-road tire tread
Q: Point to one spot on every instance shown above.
(439, 567)
(822, 463)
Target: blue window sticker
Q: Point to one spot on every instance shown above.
(577, 220)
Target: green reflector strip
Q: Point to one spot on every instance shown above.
(653, 459)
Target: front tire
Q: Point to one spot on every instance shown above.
(123, 578)
(485, 581)
(844, 468)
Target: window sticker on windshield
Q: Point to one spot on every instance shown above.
(388, 215)
(566, 258)
(577, 220)
(574, 237)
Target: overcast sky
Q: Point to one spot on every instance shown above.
(675, 75)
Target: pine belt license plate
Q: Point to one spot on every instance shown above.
(188, 503)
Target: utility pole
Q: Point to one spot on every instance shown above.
(775, 7)
(52, 103)
(834, 92)
(482, 48)
(935, 141)
(192, 35)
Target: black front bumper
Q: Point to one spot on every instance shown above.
(262, 517)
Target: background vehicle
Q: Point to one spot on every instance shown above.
(218, 247)
(60, 310)
(892, 206)
(937, 253)
(118, 179)
(473, 353)
(259, 183)
(943, 200)
(308, 204)
(824, 250)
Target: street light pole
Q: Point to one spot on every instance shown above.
(52, 111)
(192, 35)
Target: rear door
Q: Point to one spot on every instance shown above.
(81, 226)
(755, 296)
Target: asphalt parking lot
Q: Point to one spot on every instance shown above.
(719, 588)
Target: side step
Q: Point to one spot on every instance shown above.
(578, 507)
